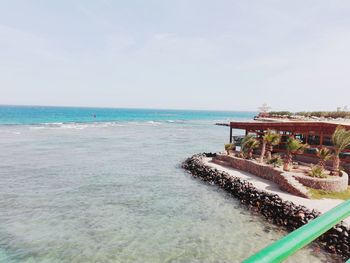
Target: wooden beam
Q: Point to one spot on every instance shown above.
(297, 127)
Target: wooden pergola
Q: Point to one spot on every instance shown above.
(315, 134)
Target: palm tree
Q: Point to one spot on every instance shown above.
(341, 140)
(294, 146)
(323, 155)
(270, 139)
(249, 143)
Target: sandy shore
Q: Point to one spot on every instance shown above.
(322, 205)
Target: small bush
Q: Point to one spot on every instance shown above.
(317, 171)
(229, 147)
(276, 161)
(280, 113)
(241, 155)
(308, 114)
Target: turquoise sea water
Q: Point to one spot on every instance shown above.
(40, 114)
(79, 188)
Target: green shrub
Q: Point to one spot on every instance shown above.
(229, 147)
(326, 114)
(319, 114)
(280, 113)
(276, 161)
(241, 155)
(317, 171)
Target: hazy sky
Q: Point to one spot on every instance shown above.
(193, 54)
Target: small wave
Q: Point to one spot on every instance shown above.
(154, 122)
(81, 126)
(53, 124)
(102, 124)
(175, 121)
(36, 127)
(75, 125)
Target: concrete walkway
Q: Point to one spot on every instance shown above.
(322, 205)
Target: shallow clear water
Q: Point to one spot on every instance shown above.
(115, 192)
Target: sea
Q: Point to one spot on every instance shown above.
(106, 185)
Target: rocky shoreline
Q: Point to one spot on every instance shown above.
(271, 206)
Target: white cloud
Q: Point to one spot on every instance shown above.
(231, 56)
(16, 44)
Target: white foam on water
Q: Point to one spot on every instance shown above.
(154, 122)
(76, 125)
(36, 127)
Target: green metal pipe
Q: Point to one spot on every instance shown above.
(288, 245)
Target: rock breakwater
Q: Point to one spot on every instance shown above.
(271, 206)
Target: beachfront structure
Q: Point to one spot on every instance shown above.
(315, 134)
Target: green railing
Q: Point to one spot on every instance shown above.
(288, 245)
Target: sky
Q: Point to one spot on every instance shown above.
(180, 54)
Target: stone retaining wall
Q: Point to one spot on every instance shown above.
(284, 180)
(291, 182)
(271, 206)
(335, 184)
(314, 160)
